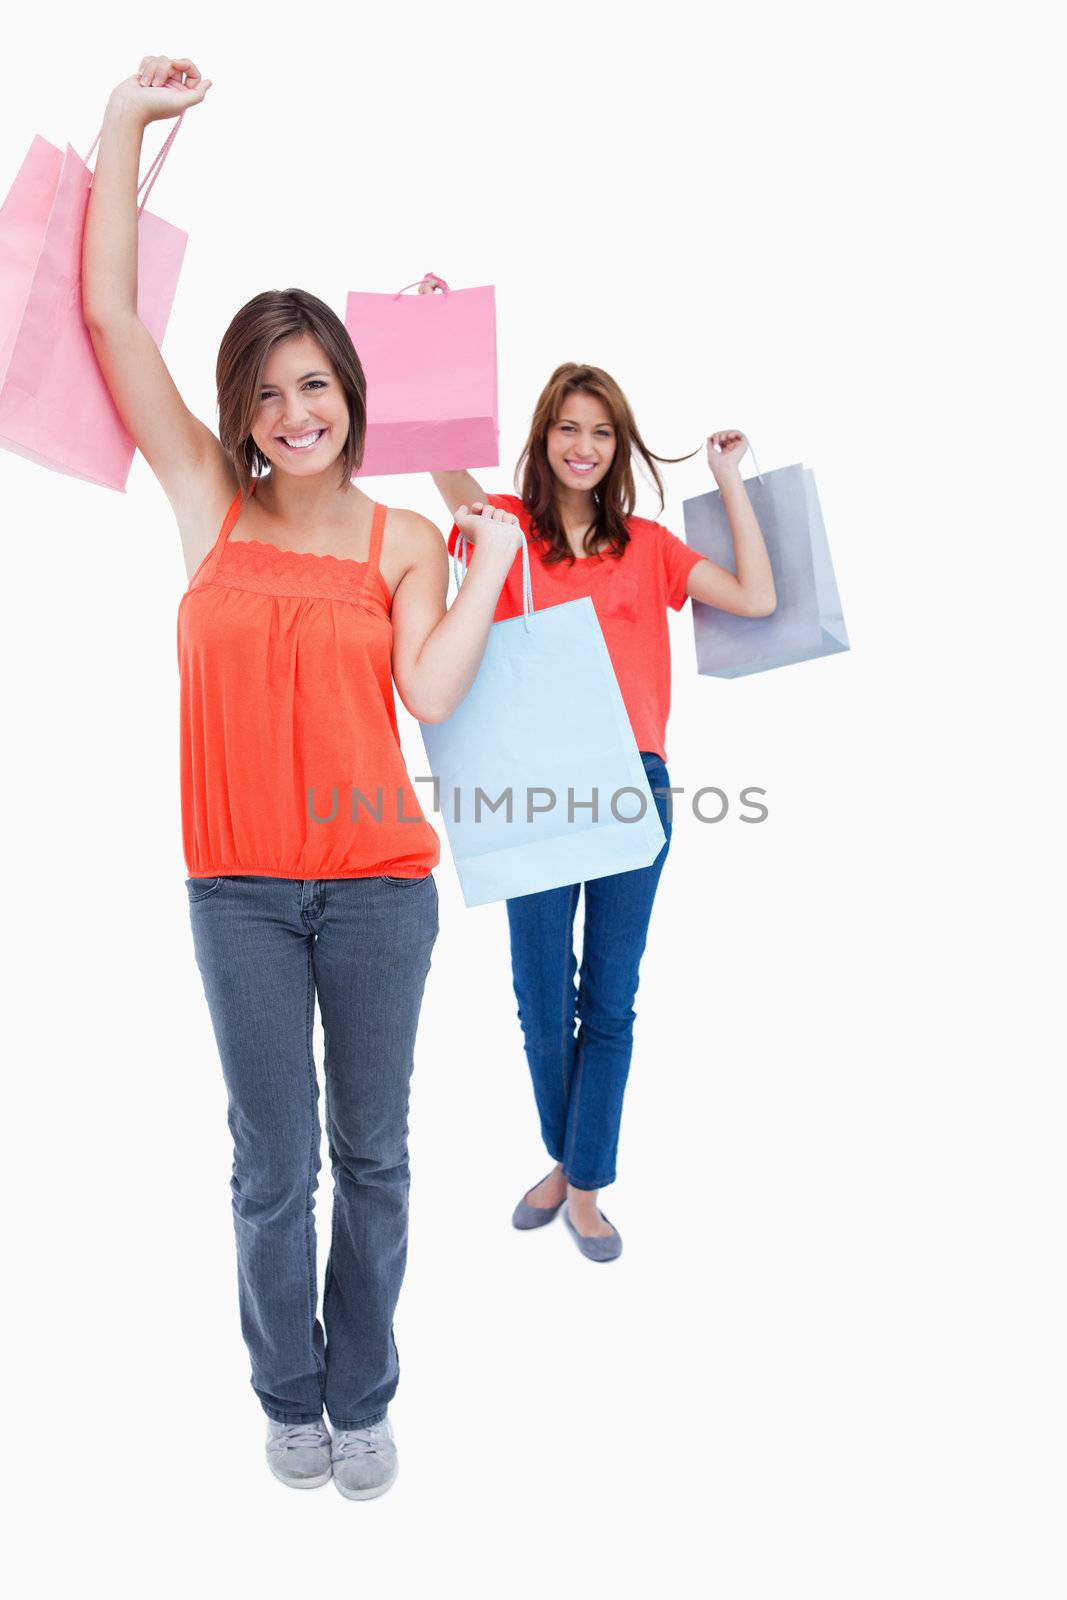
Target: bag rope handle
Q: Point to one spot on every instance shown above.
(430, 278)
(154, 168)
(459, 568)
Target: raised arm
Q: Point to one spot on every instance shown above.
(458, 489)
(751, 593)
(185, 455)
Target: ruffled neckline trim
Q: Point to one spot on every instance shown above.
(345, 576)
(301, 555)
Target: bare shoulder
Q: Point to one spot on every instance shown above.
(411, 527)
(413, 544)
(412, 537)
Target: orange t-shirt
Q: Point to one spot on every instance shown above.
(291, 764)
(630, 595)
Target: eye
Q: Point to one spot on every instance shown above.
(315, 383)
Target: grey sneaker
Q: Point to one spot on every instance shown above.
(298, 1453)
(364, 1460)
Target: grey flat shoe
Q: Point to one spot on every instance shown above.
(596, 1249)
(528, 1216)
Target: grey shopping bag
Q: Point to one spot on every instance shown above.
(808, 620)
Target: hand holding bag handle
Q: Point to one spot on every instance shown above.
(459, 569)
(752, 453)
(426, 285)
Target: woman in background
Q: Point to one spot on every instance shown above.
(576, 512)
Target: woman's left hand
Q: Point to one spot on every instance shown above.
(725, 450)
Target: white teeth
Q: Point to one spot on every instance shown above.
(581, 466)
(305, 441)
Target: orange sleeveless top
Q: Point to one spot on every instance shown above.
(291, 764)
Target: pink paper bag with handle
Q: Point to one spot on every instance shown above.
(430, 361)
(55, 407)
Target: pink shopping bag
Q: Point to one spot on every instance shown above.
(430, 361)
(55, 407)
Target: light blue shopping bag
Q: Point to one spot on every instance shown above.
(538, 776)
(808, 621)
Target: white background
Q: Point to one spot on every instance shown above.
(830, 1360)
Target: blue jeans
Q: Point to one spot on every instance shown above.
(265, 947)
(579, 1080)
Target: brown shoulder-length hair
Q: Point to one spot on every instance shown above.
(261, 324)
(614, 497)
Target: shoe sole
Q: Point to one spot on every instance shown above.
(303, 1483)
(366, 1494)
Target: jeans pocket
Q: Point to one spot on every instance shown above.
(402, 883)
(200, 888)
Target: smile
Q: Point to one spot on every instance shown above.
(582, 467)
(303, 441)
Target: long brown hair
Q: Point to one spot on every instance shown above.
(614, 497)
(261, 324)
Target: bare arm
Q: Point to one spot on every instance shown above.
(437, 653)
(184, 454)
(458, 489)
(751, 592)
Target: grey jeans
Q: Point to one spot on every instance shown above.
(265, 948)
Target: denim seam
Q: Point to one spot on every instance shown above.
(312, 1288)
(576, 1096)
(336, 1206)
(568, 985)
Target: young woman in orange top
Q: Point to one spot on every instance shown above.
(309, 858)
(576, 510)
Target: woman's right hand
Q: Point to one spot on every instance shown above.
(489, 529)
(160, 88)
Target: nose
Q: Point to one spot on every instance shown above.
(294, 415)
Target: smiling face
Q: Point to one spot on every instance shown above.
(302, 421)
(580, 443)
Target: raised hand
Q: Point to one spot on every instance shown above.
(489, 528)
(725, 450)
(161, 87)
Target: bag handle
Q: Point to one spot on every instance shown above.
(155, 167)
(430, 278)
(459, 568)
(752, 453)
